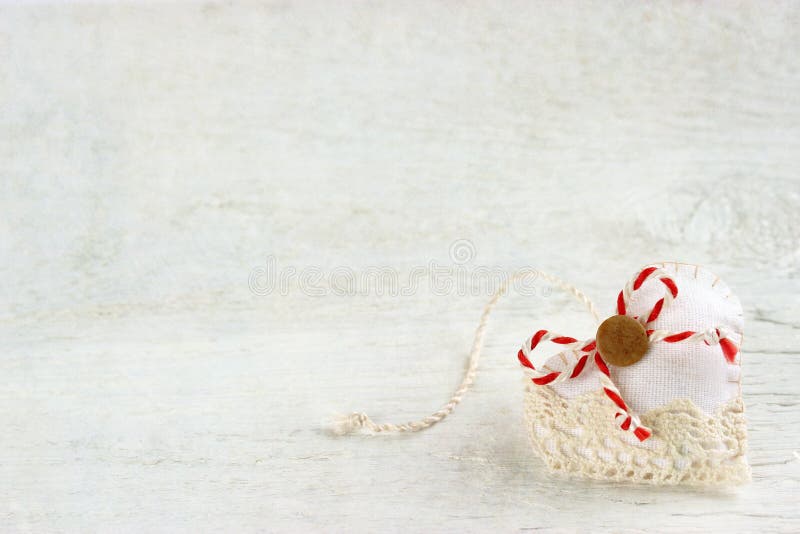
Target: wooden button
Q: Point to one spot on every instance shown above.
(622, 340)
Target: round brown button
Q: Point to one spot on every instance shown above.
(621, 340)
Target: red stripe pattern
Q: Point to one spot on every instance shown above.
(624, 419)
(674, 338)
(638, 281)
(712, 336)
(542, 378)
(729, 350)
(586, 351)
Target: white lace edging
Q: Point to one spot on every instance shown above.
(577, 436)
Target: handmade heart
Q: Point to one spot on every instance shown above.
(655, 397)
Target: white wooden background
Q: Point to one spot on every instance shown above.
(153, 156)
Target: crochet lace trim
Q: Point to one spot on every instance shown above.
(578, 436)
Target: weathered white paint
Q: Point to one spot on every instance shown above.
(152, 156)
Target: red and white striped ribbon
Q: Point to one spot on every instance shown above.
(671, 292)
(586, 350)
(712, 336)
(548, 376)
(625, 419)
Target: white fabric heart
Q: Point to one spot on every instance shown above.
(682, 400)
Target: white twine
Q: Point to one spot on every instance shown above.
(347, 424)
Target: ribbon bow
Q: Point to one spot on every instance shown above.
(584, 352)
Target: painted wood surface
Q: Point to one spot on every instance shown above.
(159, 163)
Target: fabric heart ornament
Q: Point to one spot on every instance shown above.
(672, 415)
(652, 396)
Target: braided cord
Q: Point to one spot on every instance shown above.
(355, 421)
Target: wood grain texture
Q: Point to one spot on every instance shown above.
(153, 156)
